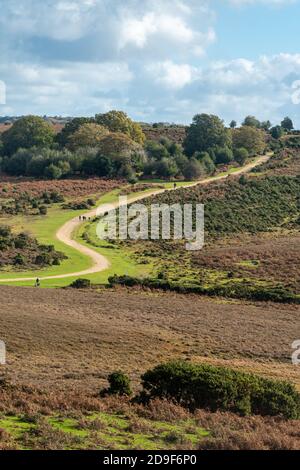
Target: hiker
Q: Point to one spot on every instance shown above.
(80, 218)
(37, 283)
(175, 185)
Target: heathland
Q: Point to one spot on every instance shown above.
(230, 309)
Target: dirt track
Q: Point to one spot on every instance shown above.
(100, 263)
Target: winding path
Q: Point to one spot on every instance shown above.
(100, 263)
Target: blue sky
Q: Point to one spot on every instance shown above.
(158, 60)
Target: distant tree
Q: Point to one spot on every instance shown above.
(251, 121)
(287, 124)
(118, 121)
(206, 161)
(240, 155)
(223, 155)
(265, 125)
(118, 146)
(166, 168)
(17, 164)
(233, 124)
(193, 170)
(205, 132)
(87, 135)
(156, 150)
(250, 138)
(27, 132)
(62, 138)
(53, 172)
(126, 171)
(65, 167)
(277, 132)
(36, 166)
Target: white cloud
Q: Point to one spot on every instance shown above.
(66, 87)
(171, 75)
(137, 31)
(148, 57)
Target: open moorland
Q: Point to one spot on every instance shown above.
(63, 344)
(115, 310)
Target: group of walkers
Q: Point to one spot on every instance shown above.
(83, 218)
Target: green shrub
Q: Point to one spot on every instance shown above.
(43, 210)
(119, 384)
(19, 260)
(81, 284)
(234, 290)
(5, 231)
(219, 388)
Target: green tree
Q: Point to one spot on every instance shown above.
(240, 155)
(166, 168)
(118, 121)
(265, 125)
(62, 137)
(277, 132)
(156, 150)
(223, 155)
(17, 164)
(205, 132)
(87, 135)
(193, 170)
(27, 132)
(206, 161)
(287, 124)
(250, 138)
(233, 124)
(53, 172)
(251, 121)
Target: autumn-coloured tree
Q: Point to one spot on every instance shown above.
(72, 126)
(118, 146)
(250, 138)
(87, 135)
(118, 121)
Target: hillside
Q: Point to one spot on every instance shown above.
(174, 133)
(63, 344)
(85, 335)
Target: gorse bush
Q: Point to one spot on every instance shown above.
(234, 290)
(81, 284)
(119, 384)
(219, 388)
(24, 250)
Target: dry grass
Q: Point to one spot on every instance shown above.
(65, 340)
(269, 256)
(231, 432)
(223, 430)
(73, 187)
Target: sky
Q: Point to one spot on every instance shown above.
(157, 60)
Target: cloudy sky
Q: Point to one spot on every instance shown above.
(158, 60)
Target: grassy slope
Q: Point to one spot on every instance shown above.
(101, 430)
(44, 228)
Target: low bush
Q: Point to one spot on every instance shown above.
(81, 284)
(251, 292)
(219, 388)
(119, 384)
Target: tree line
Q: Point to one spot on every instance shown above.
(114, 146)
